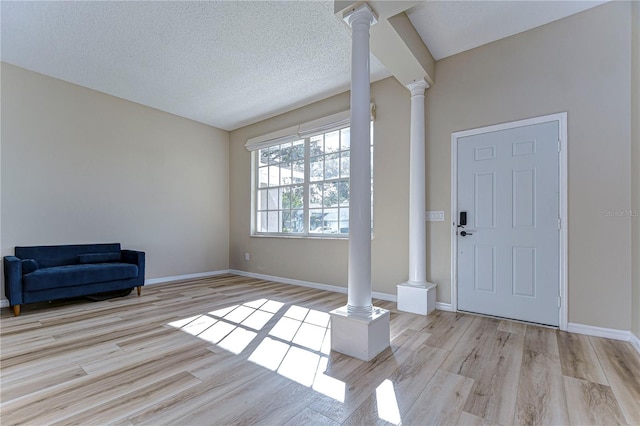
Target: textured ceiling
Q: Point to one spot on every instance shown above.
(231, 63)
(226, 64)
(450, 27)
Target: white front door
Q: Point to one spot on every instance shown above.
(508, 253)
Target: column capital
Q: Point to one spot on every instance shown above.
(418, 87)
(361, 14)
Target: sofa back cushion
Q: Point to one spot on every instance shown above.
(49, 256)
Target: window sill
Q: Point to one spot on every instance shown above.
(302, 237)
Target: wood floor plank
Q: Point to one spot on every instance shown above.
(578, 358)
(446, 328)
(592, 403)
(468, 419)
(17, 387)
(622, 369)
(512, 327)
(541, 396)
(309, 417)
(119, 408)
(441, 402)
(496, 384)
(541, 340)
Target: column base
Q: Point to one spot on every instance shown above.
(357, 336)
(417, 299)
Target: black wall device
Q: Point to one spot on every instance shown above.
(463, 219)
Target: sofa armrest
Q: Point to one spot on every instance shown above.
(13, 280)
(136, 258)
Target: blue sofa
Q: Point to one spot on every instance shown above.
(42, 273)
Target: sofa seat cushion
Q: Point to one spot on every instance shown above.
(73, 275)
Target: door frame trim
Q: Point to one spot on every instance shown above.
(561, 118)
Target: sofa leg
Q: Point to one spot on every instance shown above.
(16, 310)
(139, 290)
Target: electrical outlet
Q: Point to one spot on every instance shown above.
(435, 216)
(247, 256)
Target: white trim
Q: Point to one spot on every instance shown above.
(304, 130)
(608, 333)
(289, 134)
(635, 342)
(163, 280)
(441, 306)
(309, 284)
(561, 118)
(4, 303)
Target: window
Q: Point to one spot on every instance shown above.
(302, 185)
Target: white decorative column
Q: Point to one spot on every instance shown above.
(417, 295)
(358, 329)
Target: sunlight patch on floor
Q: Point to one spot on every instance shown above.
(387, 403)
(296, 347)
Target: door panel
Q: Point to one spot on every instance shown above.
(508, 262)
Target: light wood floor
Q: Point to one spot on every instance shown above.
(233, 350)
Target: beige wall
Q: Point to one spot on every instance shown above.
(635, 167)
(79, 166)
(325, 261)
(580, 65)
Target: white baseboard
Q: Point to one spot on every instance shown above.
(319, 286)
(185, 277)
(441, 306)
(635, 342)
(609, 333)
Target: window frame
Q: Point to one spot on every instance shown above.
(306, 184)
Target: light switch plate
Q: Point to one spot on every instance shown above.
(435, 216)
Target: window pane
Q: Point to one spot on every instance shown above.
(345, 139)
(332, 142)
(331, 221)
(316, 146)
(297, 197)
(272, 199)
(315, 195)
(298, 172)
(273, 154)
(297, 150)
(344, 221)
(261, 224)
(297, 221)
(273, 222)
(315, 221)
(332, 166)
(316, 168)
(263, 156)
(285, 193)
(286, 221)
(263, 177)
(343, 193)
(274, 175)
(262, 199)
(344, 164)
(330, 195)
(285, 153)
(285, 173)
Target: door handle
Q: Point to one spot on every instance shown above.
(465, 233)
